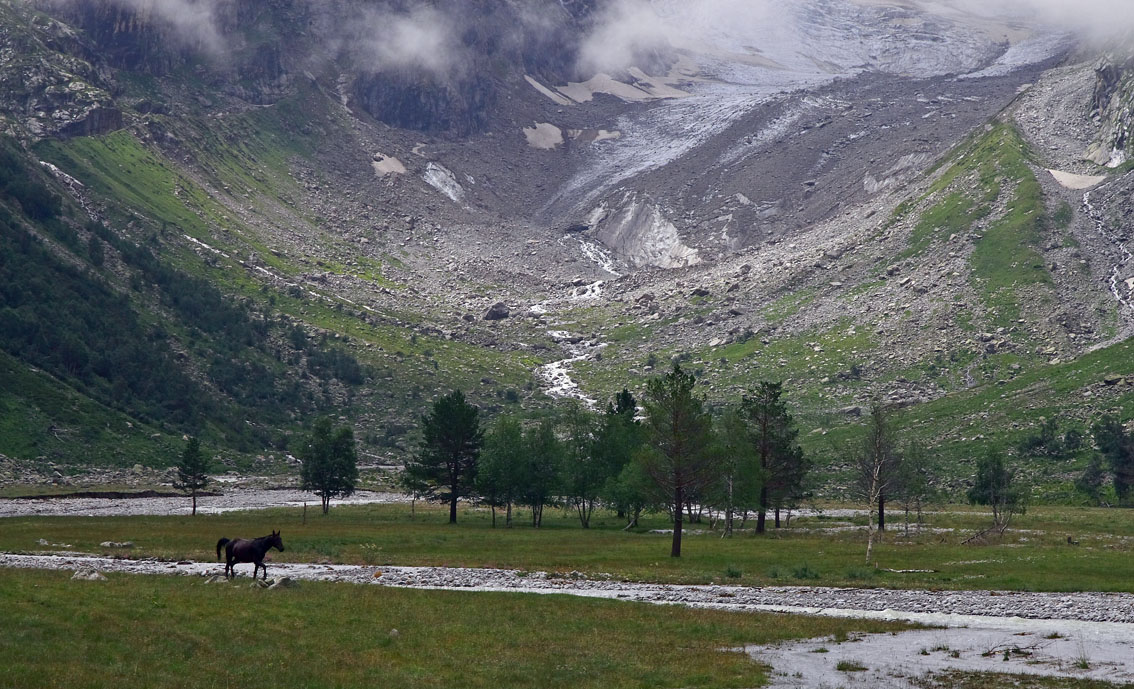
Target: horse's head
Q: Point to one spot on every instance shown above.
(276, 542)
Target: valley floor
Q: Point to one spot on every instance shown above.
(1078, 635)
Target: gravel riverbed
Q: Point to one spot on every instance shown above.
(916, 605)
(232, 500)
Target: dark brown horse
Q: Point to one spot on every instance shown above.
(248, 550)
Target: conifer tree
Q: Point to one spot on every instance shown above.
(192, 470)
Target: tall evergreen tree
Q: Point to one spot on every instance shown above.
(330, 462)
(781, 464)
(618, 438)
(450, 446)
(192, 470)
(679, 431)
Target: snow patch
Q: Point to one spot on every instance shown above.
(646, 88)
(1071, 180)
(544, 136)
(387, 165)
(1117, 158)
(443, 180)
(555, 97)
(639, 232)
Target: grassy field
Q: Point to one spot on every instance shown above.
(176, 632)
(1034, 556)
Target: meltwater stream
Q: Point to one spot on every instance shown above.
(1126, 256)
(557, 374)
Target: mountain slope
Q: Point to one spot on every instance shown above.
(284, 225)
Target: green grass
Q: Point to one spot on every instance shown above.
(953, 215)
(43, 417)
(850, 666)
(1037, 559)
(788, 305)
(119, 166)
(981, 680)
(180, 632)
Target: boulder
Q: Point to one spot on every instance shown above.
(88, 575)
(497, 312)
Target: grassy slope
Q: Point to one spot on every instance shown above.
(987, 182)
(251, 152)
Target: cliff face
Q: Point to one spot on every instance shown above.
(53, 83)
(1113, 108)
(496, 45)
(254, 50)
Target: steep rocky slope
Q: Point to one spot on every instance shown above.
(870, 216)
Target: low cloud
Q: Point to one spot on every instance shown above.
(627, 30)
(422, 38)
(623, 33)
(192, 22)
(1094, 18)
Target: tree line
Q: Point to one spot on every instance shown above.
(671, 453)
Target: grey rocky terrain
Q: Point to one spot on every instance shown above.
(896, 604)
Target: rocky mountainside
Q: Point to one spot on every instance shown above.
(538, 200)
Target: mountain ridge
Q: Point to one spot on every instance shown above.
(835, 226)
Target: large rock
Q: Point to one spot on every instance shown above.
(497, 312)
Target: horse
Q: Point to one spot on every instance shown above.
(248, 550)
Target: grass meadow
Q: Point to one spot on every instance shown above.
(185, 633)
(1048, 549)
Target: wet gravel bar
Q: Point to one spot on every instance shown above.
(1083, 606)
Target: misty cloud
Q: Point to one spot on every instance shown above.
(193, 22)
(422, 38)
(1094, 18)
(627, 30)
(623, 33)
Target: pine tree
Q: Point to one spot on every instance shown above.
(446, 463)
(192, 470)
(781, 464)
(679, 432)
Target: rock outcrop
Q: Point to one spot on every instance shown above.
(1113, 108)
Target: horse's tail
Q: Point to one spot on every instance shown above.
(220, 544)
